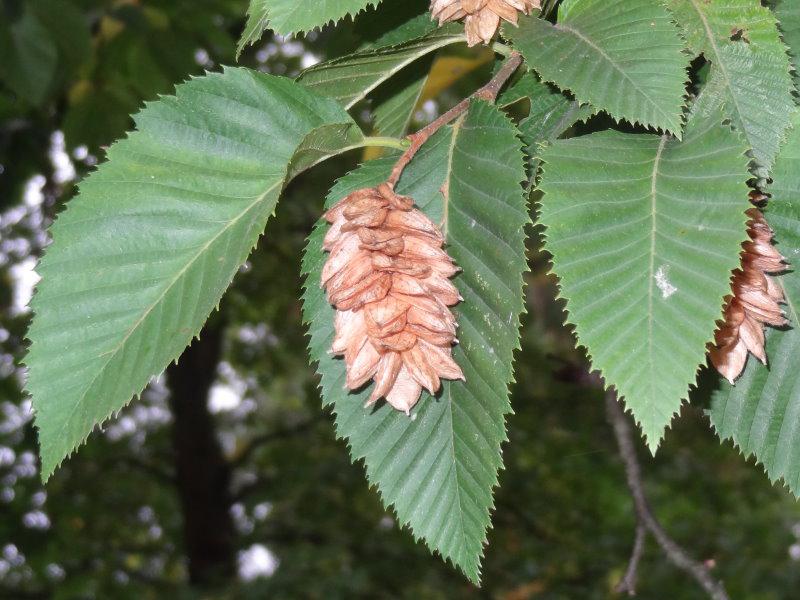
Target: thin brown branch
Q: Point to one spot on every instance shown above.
(627, 584)
(145, 466)
(272, 436)
(488, 92)
(644, 514)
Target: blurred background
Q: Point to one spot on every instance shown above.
(226, 480)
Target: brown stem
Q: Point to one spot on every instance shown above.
(627, 584)
(646, 520)
(488, 92)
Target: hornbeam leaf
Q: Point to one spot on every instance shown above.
(761, 413)
(622, 56)
(395, 108)
(551, 114)
(322, 143)
(750, 74)
(438, 467)
(142, 256)
(788, 13)
(257, 24)
(644, 232)
(350, 78)
(30, 57)
(295, 16)
(398, 24)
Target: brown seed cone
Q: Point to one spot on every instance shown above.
(755, 301)
(389, 280)
(481, 17)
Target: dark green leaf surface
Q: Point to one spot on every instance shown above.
(142, 256)
(761, 413)
(750, 73)
(30, 57)
(644, 232)
(622, 56)
(351, 78)
(438, 467)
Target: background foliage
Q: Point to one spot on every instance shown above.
(114, 522)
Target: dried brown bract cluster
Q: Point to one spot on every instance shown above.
(755, 301)
(481, 17)
(389, 280)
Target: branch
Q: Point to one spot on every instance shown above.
(627, 584)
(162, 474)
(488, 92)
(279, 434)
(647, 522)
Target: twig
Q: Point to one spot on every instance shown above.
(627, 584)
(272, 436)
(147, 467)
(644, 514)
(488, 92)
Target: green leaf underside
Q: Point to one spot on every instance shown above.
(749, 77)
(393, 113)
(414, 27)
(788, 13)
(644, 232)
(351, 78)
(295, 16)
(439, 467)
(322, 143)
(142, 256)
(600, 47)
(761, 413)
(257, 24)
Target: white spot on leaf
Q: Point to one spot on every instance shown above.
(663, 282)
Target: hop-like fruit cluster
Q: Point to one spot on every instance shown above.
(755, 302)
(389, 280)
(481, 17)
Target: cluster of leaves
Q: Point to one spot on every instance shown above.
(644, 221)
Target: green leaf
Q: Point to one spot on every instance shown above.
(551, 114)
(394, 109)
(322, 143)
(257, 24)
(410, 29)
(761, 413)
(295, 16)
(644, 232)
(351, 78)
(144, 253)
(29, 58)
(67, 27)
(438, 468)
(788, 13)
(622, 56)
(750, 75)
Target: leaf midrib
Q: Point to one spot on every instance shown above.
(113, 352)
(719, 62)
(651, 271)
(445, 189)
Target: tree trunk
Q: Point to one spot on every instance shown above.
(202, 473)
